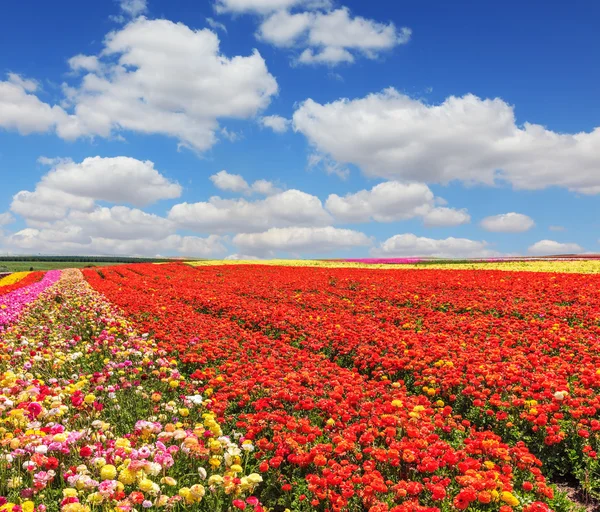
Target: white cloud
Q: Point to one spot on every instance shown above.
(84, 63)
(266, 6)
(393, 136)
(46, 205)
(328, 165)
(180, 89)
(71, 240)
(236, 183)
(230, 182)
(551, 247)
(72, 185)
(6, 218)
(298, 240)
(210, 246)
(133, 8)
(508, 223)
(386, 202)
(331, 55)
(26, 85)
(445, 217)
(238, 257)
(119, 223)
(283, 29)
(216, 25)
(265, 187)
(277, 123)
(118, 230)
(118, 179)
(329, 37)
(21, 110)
(394, 201)
(289, 208)
(409, 244)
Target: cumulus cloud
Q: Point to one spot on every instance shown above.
(236, 183)
(299, 240)
(130, 9)
(119, 223)
(138, 83)
(72, 185)
(6, 218)
(23, 111)
(391, 135)
(133, 8)
(551, 247)
(276, 123)
(508, 223)
(238, 257)
(84, 63)
(266, 6)
(394, 201)
(409, 244)
(217, 215)
(330, 37)
(445, 217)
(73, 241)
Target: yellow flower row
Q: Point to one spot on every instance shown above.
(561, 266)
(13, 278)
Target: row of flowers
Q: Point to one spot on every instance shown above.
(574, 266)
(12, 278)
(95, 417)
(19, 280)
(23, 293)
(329, 435)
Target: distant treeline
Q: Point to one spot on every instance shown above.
(85, 259)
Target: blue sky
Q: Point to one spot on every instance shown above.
(380, 129)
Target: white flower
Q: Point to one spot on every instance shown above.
(202, 473)
(560, 395)
(195, 399)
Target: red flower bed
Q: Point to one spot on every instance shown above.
(386, 389)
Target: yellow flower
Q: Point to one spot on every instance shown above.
(60, 438)
(254, 478)
(509, 499)
(69, 492)
(146, 485)
(236, 468)
(108, 472)
(215, 480)
(122, 443)
(127, 477)
(397, 403)
(28, 506)
(89, 399)
(184, 411)
(95, 498)
(168, 480)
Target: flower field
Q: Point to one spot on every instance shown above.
(327, 387)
